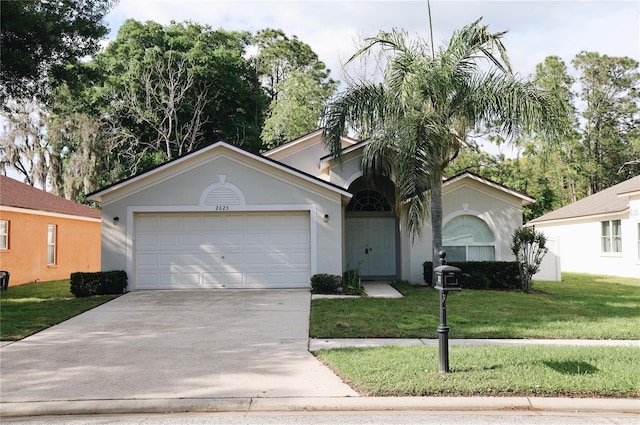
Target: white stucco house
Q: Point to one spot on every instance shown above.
(599, 234)
(224, 217)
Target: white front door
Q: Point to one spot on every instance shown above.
(371, 245)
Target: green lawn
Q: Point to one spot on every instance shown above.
(27, 309)
(490, 371)
(581, 306)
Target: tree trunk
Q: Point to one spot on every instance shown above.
(436, 224)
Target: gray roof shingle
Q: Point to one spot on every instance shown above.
(20, 195)
(607, 201)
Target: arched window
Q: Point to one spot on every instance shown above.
(368, 200)
(468, 238)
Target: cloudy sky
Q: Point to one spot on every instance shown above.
(537, 28)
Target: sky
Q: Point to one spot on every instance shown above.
(335, 28)
(536, 29)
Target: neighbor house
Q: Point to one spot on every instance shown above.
(44, 237)
(599, 234)
(224, 217)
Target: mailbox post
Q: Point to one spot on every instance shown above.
(447, 279)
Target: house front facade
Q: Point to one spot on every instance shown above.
(223, 217)
(599, 234)
(44, 237)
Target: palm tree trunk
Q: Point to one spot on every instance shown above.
(436, 224)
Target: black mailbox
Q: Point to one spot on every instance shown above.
(448, 278)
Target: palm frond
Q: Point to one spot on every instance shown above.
(364, 104)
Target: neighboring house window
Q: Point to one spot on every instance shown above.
(612, 236)
(638, 241)
(468, 238)
(4, 234)
(52, 236)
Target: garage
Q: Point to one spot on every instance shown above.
(222, 250)
(221, 217)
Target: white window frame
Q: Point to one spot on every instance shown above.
(52, 244)
(611, 243)
(4, 235)
(470, 245)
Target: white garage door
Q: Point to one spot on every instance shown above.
(222, 250)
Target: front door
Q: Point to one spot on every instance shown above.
(371, 245)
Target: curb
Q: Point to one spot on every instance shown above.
(317, 404)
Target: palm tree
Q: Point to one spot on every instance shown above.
(418, 118)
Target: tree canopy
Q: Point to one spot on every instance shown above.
(41, 40)
(297, 83)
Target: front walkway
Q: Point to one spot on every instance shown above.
(377, 289)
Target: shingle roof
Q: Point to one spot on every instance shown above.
(20, 195)
(607, 201)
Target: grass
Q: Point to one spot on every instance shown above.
(581, 306)
(490, 371)
(27, 309)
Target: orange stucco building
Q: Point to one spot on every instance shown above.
(44, 237)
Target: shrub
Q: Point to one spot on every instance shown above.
(98, 283)
(482, 274)
(529, 247)
(351, 282)
(325, 283)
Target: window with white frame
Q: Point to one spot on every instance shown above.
(52, 236)
(4, 234)
(638, 241)
(611, 236)
(468, 238)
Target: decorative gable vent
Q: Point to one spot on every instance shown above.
(222, 194)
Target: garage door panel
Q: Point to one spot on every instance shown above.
(300, 259)
(190, 240)
(145, 239)
(147, 260)
(210, 250)
(212, 279)
(209, 259)
(168, 222)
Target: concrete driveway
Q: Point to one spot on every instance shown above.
(173, 344)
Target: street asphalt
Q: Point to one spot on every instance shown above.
(209, 351)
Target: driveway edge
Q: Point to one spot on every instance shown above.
(317, 404)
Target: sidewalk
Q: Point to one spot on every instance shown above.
(329, 344)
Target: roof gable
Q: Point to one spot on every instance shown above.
(203, 154)
(299, 143)
(20, 195)
(609, 201)
(525, 199)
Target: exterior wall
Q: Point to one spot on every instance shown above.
(264, 189)
(305, 154)
(305, 157)
(78, 246)
(579, 244)
(501, 212)
(349, 170)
